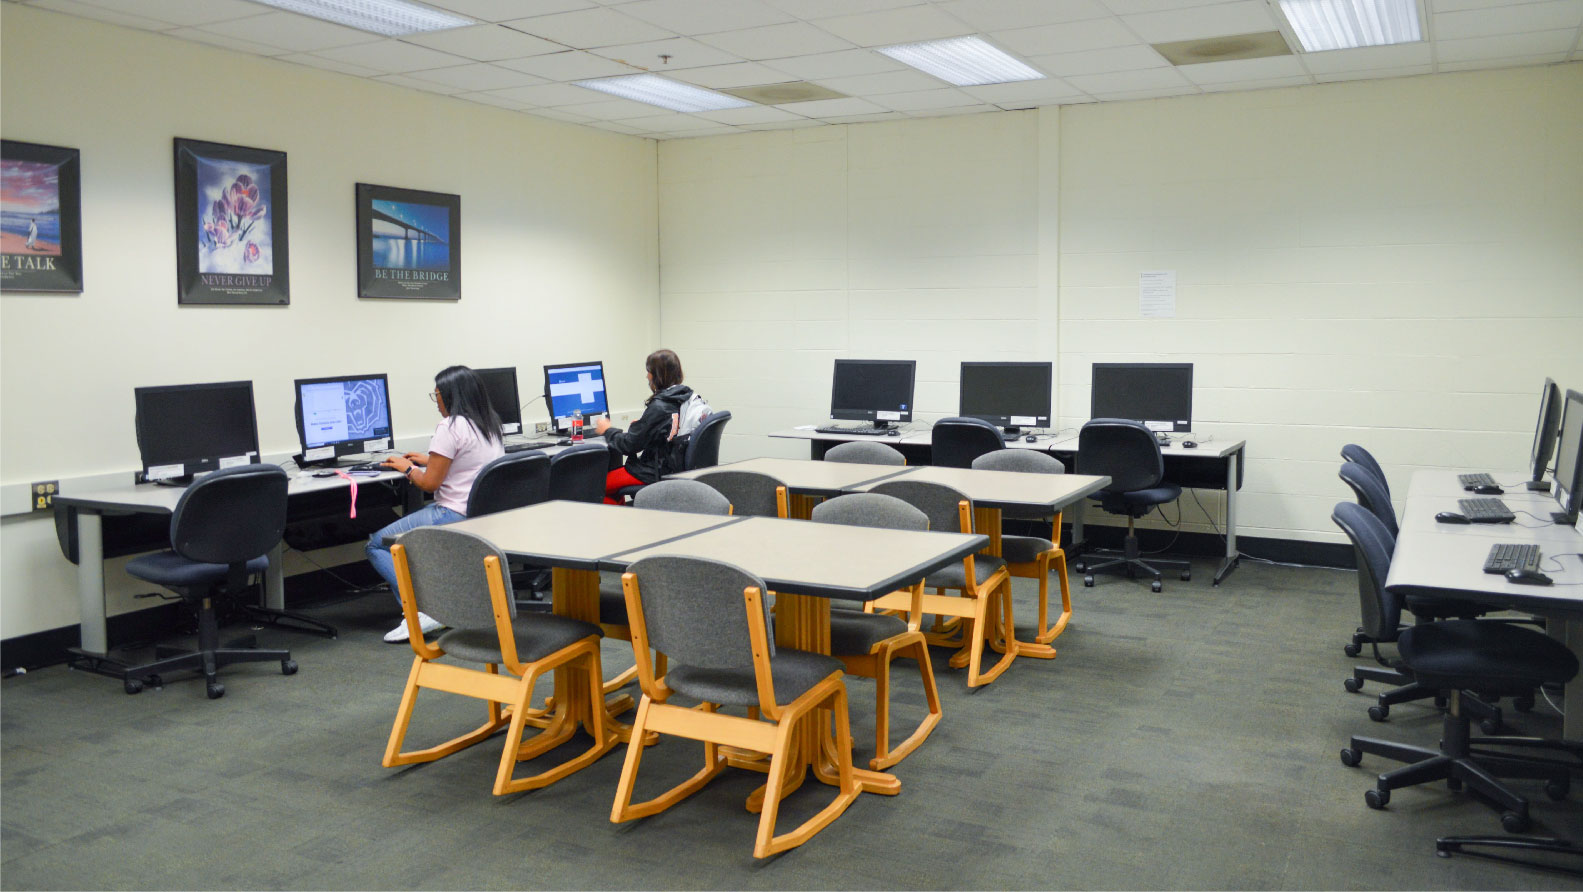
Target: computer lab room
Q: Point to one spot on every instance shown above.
(872, 444)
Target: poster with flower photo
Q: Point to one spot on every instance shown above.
(230, 225)
(40, 218)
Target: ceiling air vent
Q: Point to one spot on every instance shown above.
(781, 94)
(1224, 49)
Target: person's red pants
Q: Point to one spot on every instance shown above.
(617, 480)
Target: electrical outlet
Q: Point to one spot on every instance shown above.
(44, 495)
(541, 427)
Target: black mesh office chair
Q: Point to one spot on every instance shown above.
(221, 534)
(578, 474)
(1127, 453)
(703, 448)
(955, 442)
(510, 481)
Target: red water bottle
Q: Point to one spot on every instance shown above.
(577, 425)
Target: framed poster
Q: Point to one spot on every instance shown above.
(409, 243)
(230, 225)
(40, 218)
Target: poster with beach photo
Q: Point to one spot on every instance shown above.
(40, 218)
(230, 225)
(409, 243)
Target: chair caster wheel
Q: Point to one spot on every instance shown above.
(288, 667)
(1524, 703)
(1187, 575)
(1454, 784)
(1377, 798)
(1088, 582)
(1353, 685)
(1513, 822)
(1379, 713)
(1350, 757)
(1080, 567)
(215, 690)
(1156, 587)
(1352, 650)
(1490, 726)
(1441, 702)
(1558, 790)
(132, 686)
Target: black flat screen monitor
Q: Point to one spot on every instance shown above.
(191, 428)
(501, 386)
(1545, 433)
(876, 390)
(573, 386)
(1159, 394)
(1011, 394)
(342, 416)
(1569, 460)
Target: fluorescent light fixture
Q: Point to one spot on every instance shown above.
(1345, 24)
(963, 61)
(663, 92)
(392, 18)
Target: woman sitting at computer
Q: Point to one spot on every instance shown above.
(466, 439)
(648, 445)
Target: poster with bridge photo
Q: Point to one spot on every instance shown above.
(230, 225)
(409, 243)
(40, 218)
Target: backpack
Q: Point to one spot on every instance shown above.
(691, 414)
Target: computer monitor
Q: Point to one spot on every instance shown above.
(1159, 394)
(875, 390)
(191, 428)
(1011, 394)
(342, 416)
(501, 386)
(1569, 461)
(1545, 434)
(575, 385)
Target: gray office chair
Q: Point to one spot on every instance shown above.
(751, 494)
(955, 442)
(221, 533)
(1352, 452)
(1127, 453)
(1033, 557)
(863, 453)
(578, 474)
(510, 481)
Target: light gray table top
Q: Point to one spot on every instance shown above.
(151, 498)
(1206, 449)
(1008, 489)
(1453, 564)
(1419, 514)
(824, 560)
(577, 534)
(1067, 443)
(804, 476)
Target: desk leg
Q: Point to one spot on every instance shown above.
(1232, 556)
(1078, 509)
(90, 581)
(275, 578)
(575, 594)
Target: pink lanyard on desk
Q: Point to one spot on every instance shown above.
(348, 478)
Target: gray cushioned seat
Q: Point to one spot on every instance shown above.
(953, 577)
(1023, 549)
(853, 632)
(170, 568)
(794, 671)
(538, 636)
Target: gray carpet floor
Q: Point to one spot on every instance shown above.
(1182, 740)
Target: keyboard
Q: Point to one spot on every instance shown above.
(1486, 510)
(861, 431)
(1511, 556)
(1469, 481)
(531, 444)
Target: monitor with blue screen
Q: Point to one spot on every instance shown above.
(574, 386)
(342, 416)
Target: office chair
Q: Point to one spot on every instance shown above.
(1495, 659)
(221, 533)
(1127, 453)
(867, 643)
(459, 579)
(1033, 557)
(955, 442)
(712, 620)
(1352, 452)
(863, 453)
(578, 474)
(510, 481)
(703, 448)
(751, 494)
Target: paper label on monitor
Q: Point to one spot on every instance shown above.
(376, 445)
(1024, 420)
(319, 454)
(511, 428)
(165, 472)
(233, 461)
(1159, 426)
(887, 416)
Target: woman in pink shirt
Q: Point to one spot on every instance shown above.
(467, 438)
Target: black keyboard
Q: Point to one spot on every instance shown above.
(531, 444)
(1486, 510)
(860, 431)
(1511, 556)
(1469, 481)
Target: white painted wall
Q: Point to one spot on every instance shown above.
(559, 256)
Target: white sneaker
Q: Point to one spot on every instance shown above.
(425, 622)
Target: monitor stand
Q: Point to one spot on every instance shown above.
(1538, 485)
(1010, 433)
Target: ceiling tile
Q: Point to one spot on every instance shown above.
(955, 110)
(1367, 74)
(1509, 46)
(1265, 84)
(1073, 37)
(684, 53)
(587, 28)
(329, 64)
(555, 114)
(412, 83)
(1473, 64)
(754, 114)
(820, 108)
(222, 40)
(820, 9)
(1126, 7)
(777, 41)
(569, 65)
(1220, 20)
(787, 125)
(392, 56)
(610, 109)
(705, 16)
(615, 127)
(485, 43)
(1129, 81)
(842, 64)
(1134, 95)
(886, 82)
(496, 101)
(100, 14)
(294, 32)
(1508, 20)
(1457, 5)
(865, 119)
(1024, 93)
(181, 12)
(1121, 58)
(1368, 57)
(671, 123)
(1001, 15)
(905, 25)
(947, 98)
(1243, 70)
(739, 74)
(545, 95)
(479, 76)
(501, 10)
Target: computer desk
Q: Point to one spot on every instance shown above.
(1213, 464)
(1450, 558)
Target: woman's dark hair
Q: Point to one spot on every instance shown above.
(666, 367)
(465, 397)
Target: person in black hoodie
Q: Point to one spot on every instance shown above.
(650, 445)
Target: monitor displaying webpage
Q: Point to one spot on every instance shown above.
(341, 411)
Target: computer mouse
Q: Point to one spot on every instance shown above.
(1489, 489)
(1030, 438)
(893, 433)
(1189, 444)
(1528, 577)
(1451, 517)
